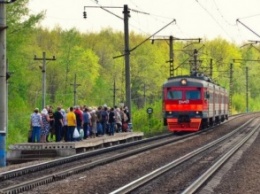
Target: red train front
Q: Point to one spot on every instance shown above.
(193, 102)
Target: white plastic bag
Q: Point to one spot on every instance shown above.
(81, 132)
(76, 133)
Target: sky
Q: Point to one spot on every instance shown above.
(206, 19)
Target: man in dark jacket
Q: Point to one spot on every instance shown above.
(111, 121)
(58, 123)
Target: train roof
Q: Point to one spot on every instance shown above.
(191, 81)
(194, 80)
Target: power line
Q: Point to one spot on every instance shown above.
(221, 15)
(149, 14)
(216, 21)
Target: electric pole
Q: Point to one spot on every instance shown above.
(195, 67)
(114, 93)
(247, 89)
(43, 68)
(3, 82)
(126, 13)
(144, 95)
(3, 102)
(230, 89)
(126, 54)
(246, 60)
(171, 50)
(127, 60)
(75, 85)
(171, 57)
(211, 68)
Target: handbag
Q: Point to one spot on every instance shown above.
(30, 135)
(76, 133)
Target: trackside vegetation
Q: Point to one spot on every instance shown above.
(90, 55)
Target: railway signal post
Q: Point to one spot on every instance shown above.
(149, 112)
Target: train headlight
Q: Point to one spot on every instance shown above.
(168, 113)
(183, 82)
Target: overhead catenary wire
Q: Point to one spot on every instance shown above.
(221, 15)
(145, 13)
(214, 19)
(146, 39)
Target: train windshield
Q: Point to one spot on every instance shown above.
(193, 95)
(174, 95)
(181, 95)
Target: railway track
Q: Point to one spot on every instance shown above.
(27, 178)
(214, 150)
(51, 171)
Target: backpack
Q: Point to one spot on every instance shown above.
(104, 116)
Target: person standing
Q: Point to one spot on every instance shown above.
(65, 125)
(52, 129)
(86, 123)
(99, 120)
(104, 120)
(111, 121)
(58, 123)
(124, 119)
(46, 125)
(71, 119)
(118, 120)
(93, 123)
(36, 125)
(79, 118)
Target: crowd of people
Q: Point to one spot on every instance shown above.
(60, 125)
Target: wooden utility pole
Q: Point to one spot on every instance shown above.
(114, 92)
(43, 68)
(75, 85)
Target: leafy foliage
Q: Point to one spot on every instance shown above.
(88, 65)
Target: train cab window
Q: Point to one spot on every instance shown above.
(174, 95)
(193, 95)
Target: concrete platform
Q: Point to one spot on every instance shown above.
(61, 149)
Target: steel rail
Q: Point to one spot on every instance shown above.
(158, 172)
(204, 177)
(60, 175)
(56, 162)
(68, 172)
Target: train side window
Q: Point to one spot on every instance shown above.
(174, 95)
(193, 95)
(206, 95)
